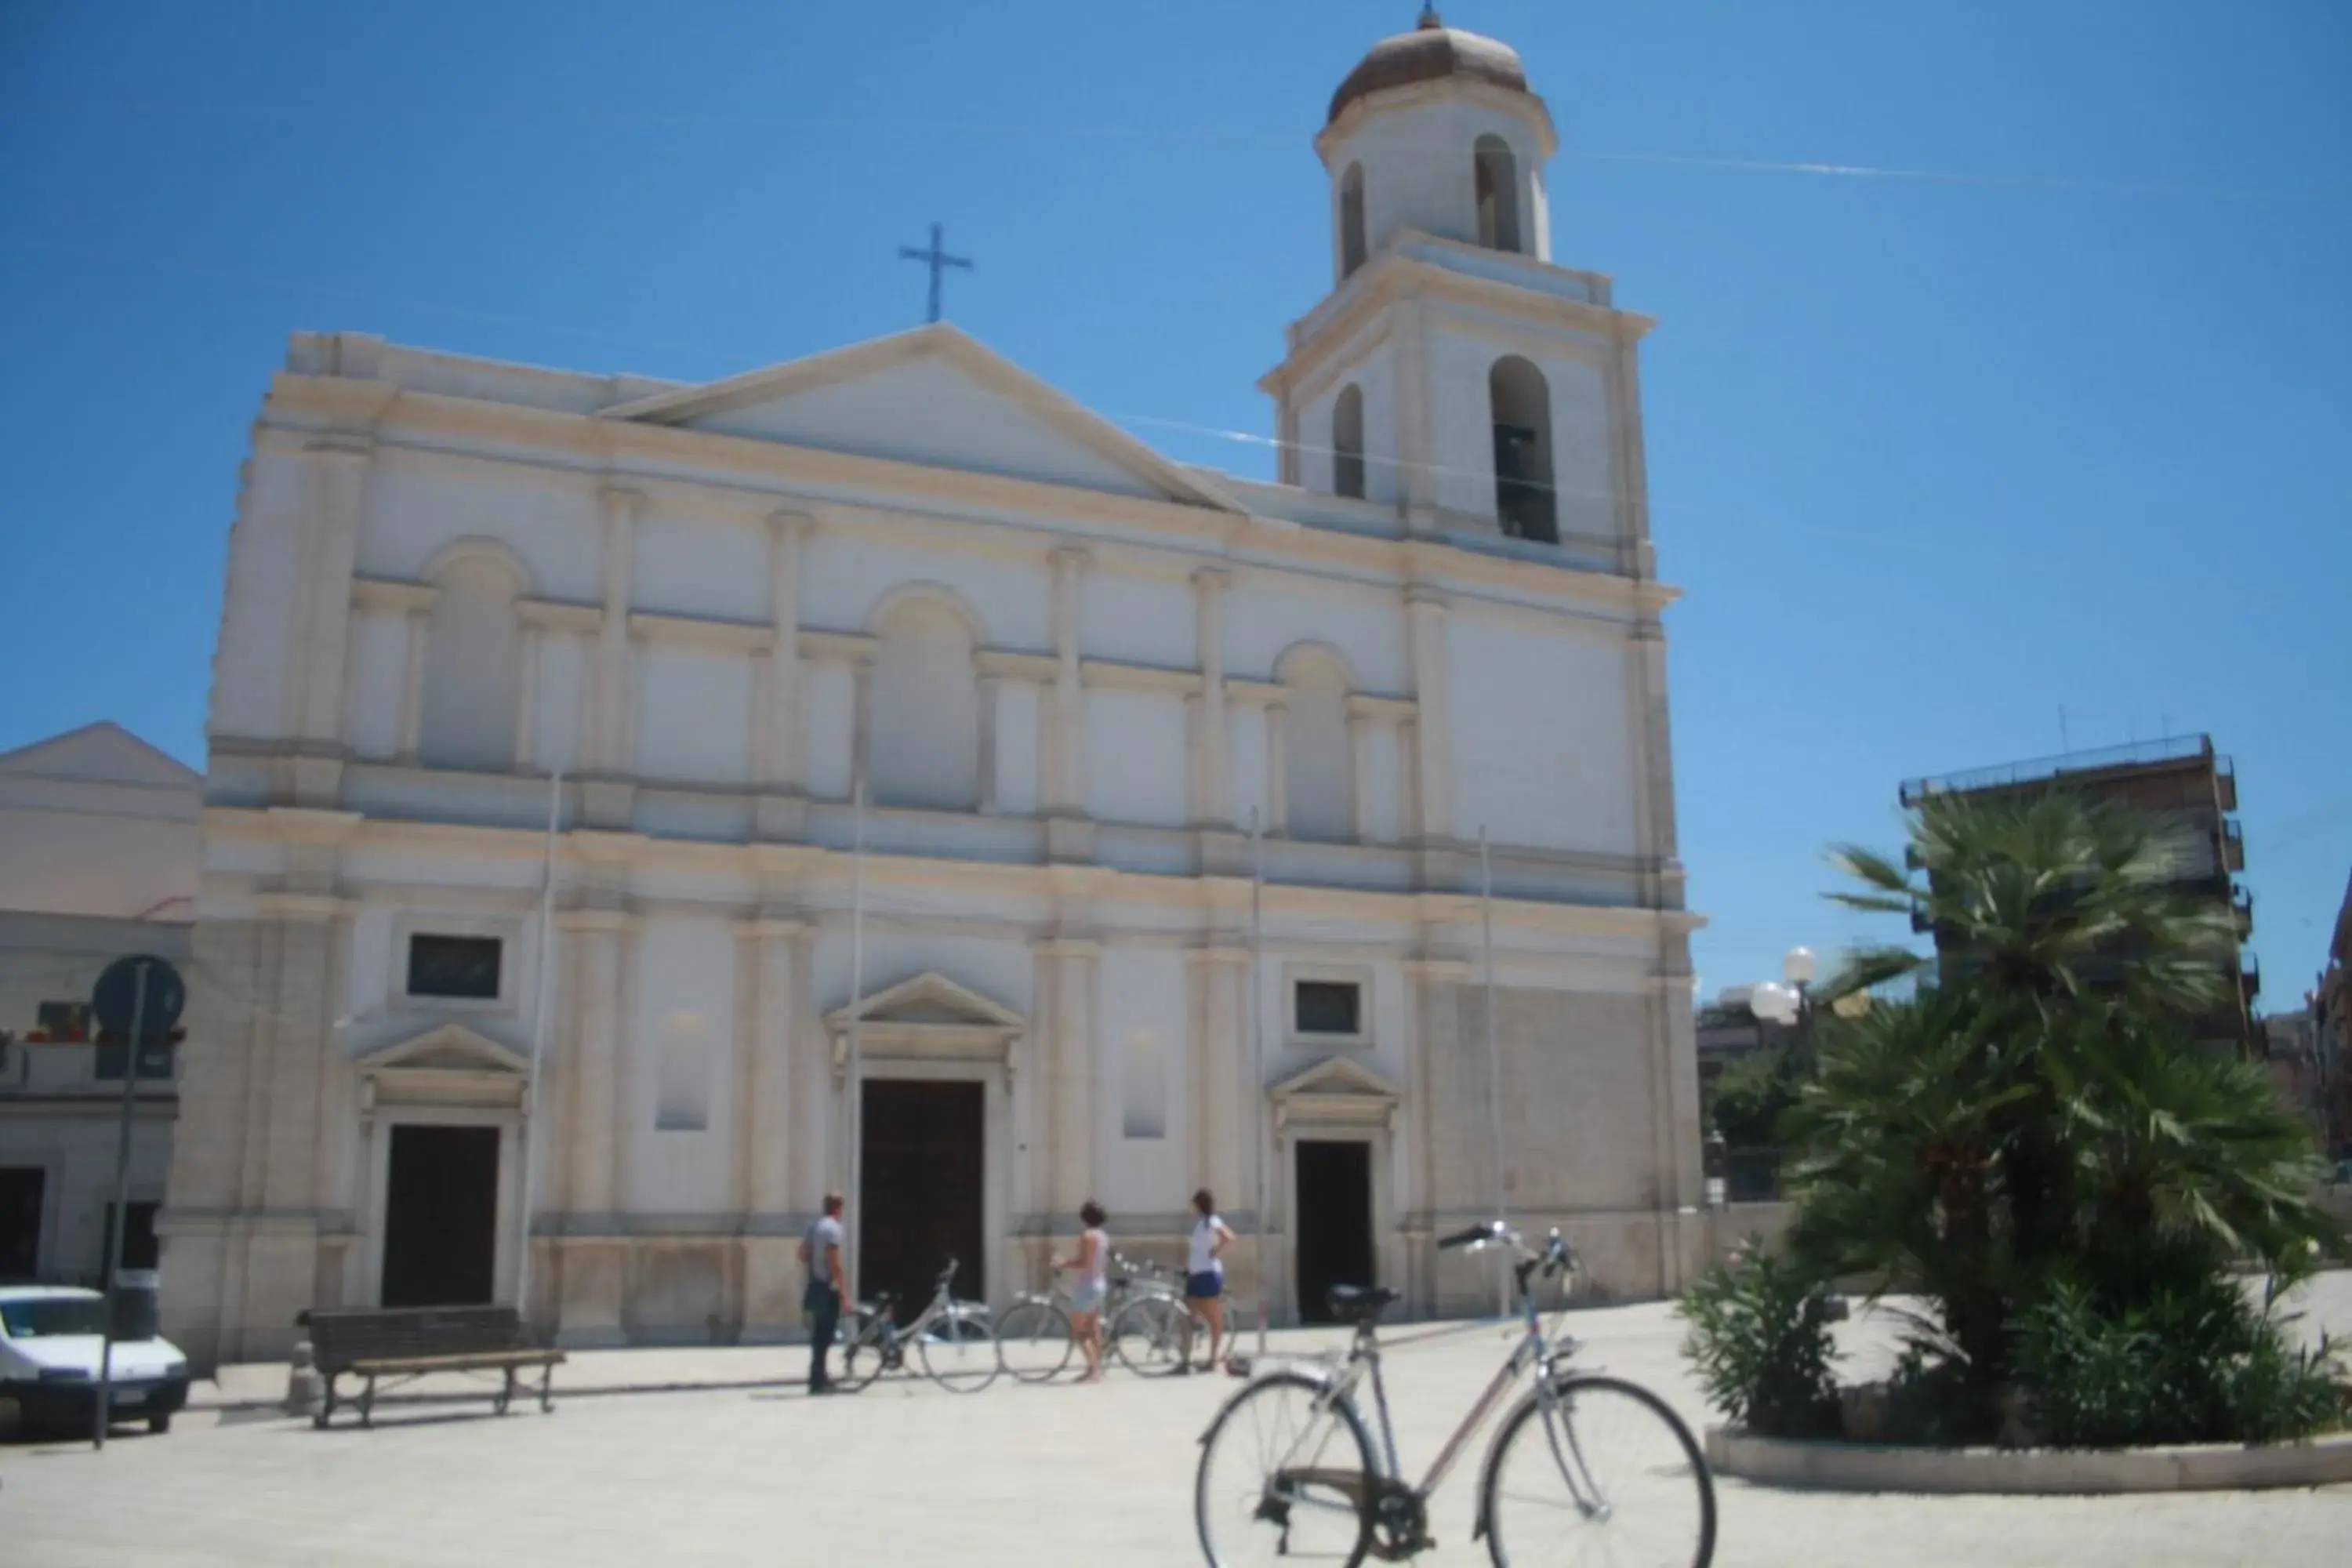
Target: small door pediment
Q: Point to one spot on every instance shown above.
(448, 1064)
(1336, 1091)
(929, 1017)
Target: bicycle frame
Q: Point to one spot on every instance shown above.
(1532, 1348)
(880, 1328)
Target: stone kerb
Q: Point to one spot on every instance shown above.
(1882, 1468)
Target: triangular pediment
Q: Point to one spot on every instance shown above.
(931, 999)
(936, 396)
(445, 1047)
(1338, 1077)
(103, 753)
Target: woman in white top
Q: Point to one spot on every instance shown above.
(1092, 1260)
(1204, 1277)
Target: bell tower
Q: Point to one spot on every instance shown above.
(1455, 375)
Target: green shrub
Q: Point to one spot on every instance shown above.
(1759, 1338)
(1934, 1400)
(2199, 1365)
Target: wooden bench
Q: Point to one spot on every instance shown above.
(404, 1342)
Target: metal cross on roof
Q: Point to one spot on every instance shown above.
(937, 258)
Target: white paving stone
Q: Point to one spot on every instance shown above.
(904, 1472)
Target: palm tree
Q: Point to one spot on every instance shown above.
(2048, 903)
(2036, 1111)
(1895, 1168)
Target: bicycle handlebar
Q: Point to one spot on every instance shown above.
(1556, 1257)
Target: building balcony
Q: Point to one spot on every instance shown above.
(2225, 782)
(2250, 977)
(2234, 844)
(2241, 905)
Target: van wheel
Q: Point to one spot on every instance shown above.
(158, 1425)
(12, 1418)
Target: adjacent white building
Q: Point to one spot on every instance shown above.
(1069, 674)
(98, 861)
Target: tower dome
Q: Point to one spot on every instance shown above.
(1431, 52)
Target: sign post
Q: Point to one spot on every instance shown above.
(137, 999)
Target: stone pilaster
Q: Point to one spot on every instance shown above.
(766, 955)
(779, 764)
(592, 1258)
(321, 644)
(1277, 767)
(1064, 780)
(1222, 1123)
(1213, 804)
(1432, 1031)
(1426, 614)
(991, 693)
(607, 799)
(1359, 772)
(417, 624)
(526, 740)
(1073, 1076)
(1417, 478)
(259, 1115)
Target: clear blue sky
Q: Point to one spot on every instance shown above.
(1933, 458)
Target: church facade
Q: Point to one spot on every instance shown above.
(530, 931)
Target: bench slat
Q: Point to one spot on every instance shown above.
(386, 1366)
(340, 1338)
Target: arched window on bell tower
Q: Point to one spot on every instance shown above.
(1524, 501)
(1498, 177)
(1348, 442)
(1351, 220)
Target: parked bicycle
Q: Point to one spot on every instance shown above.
(1584, 1467)
(1153, 1330)
(1034, 1341)
(951, 1339)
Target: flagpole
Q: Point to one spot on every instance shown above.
(1494, 1064)
(533, 1132)
(1258, 1063)
(856, 1095)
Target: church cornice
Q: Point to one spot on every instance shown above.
(1025, 892)
(752, 479)
(1396, 277)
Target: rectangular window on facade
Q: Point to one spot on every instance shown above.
(1328, 1007)
(463, 968)
(1144, 1087)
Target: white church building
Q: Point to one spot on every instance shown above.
(1068, 675)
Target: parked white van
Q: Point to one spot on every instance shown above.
(49, 1346)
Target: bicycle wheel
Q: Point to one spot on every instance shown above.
(1608, 1474)
(1281, 1476)
(861, 1354)
(1147, 1335)
(1032, 1340)
(959, 1352)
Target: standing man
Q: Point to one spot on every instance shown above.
(828, 1286)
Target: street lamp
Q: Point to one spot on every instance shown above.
(1789, 1004)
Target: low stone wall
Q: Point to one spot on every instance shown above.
(1874, 1468)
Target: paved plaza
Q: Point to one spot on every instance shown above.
(757, 1472)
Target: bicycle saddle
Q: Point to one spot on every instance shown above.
(1359, 1303)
